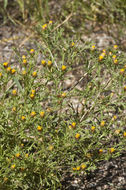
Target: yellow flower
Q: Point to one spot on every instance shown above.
(32, 51)
(14, 109)
(51, 147)
(17, 155)
(73, 125)
(114, 56)
(34, 74)
(39, 128)
(115, 61)
(5, 64)
(74, 169)
(63, 95)
(49, 63)
(78, 168)
(14, 92)
(110, 53)
(93, 128)
(104, 51)
(64, 67)
(114, 118)
(124, 88)
(72, 44)
(101, 57)
(50, 22)
(83, 166)
(77, 136)
(23, 72)
(122, 71)
(115, 46)
(24, 61)
(44, 26)
(93, 47)
(100, 151)
(13, 166)
(117, 131)
(33, 114)
(23, 117)
(32, 96)
(43, 62)
(5, 179)
(22, 145)
(111, 150)
(13, 71)
(124, 134)
(8, 69)
(70, 127)
(102, 123)
(33, 91)
(23, 57)
(42, 113)
(0, 74)
(26, 155)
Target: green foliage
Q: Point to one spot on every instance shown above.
(43, 135)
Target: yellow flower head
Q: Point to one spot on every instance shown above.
(93, 47)
(77, 136)
(63, 95)
(124, 134)
(73, 125)
(74, 169)
(101, 57)
(110, 53)
(14, 92)
(5, 64)
(83, 166)
(23, 72)
(124, 88)
(100, 151)
(32, 51)
(34, 74)
(14, 109)
(23, 117)
(104, 51)
(22, 145)
(0, 74)
(23, 57)
(122, 71)
(111, 150)
(42, 113)
(39, 128)
(72, 44)
(115, 46)
(117, 131)
(26, 155)
(8, 69)
(44, 26)
(50, 22)
(13, 166)
(24, 61)
(70, 127)
(33, 113)
(49, 63)
(17, 155)
(102, 123)
(43, 62)
(78, 168)
(115, 61)
(13, 71)
(64, 67)
(33, 91)
(51, 147)
(114, 56)
(93, 128)
(32, 96)
(114, 118)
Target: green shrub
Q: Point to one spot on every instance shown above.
(43, 136)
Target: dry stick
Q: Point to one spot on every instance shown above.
(62, 22)
(110, 80)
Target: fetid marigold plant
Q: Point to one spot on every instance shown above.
(49, 128)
